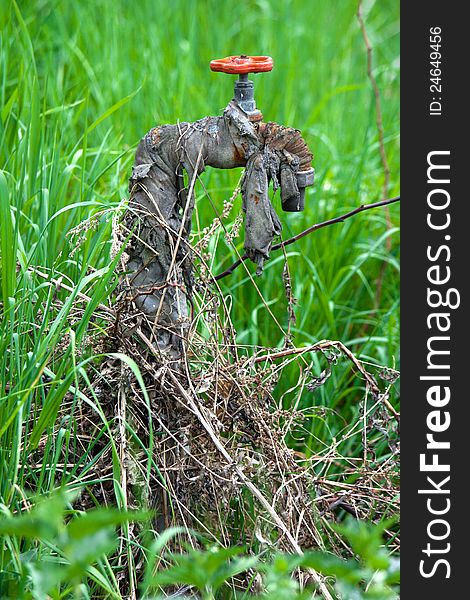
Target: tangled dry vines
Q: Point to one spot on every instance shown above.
(211, 446)
(221, 450)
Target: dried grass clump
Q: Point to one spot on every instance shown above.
(209, 447)
(206, 440)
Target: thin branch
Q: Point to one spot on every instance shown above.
(380, 132)
(378, 106)
(310, 230)
(323, 345)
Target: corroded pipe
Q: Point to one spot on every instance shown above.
(159, 270)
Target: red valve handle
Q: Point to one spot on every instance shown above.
(242, 64)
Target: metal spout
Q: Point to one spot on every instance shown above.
(293, 189)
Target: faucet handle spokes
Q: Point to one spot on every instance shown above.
(240, 65)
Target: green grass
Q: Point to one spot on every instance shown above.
(80, 84)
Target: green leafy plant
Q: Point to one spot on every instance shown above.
(207, 571)
(372, 574)
(49, 550)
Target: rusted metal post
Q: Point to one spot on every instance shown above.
(159, 267)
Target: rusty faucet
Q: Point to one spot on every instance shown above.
(158, 275)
